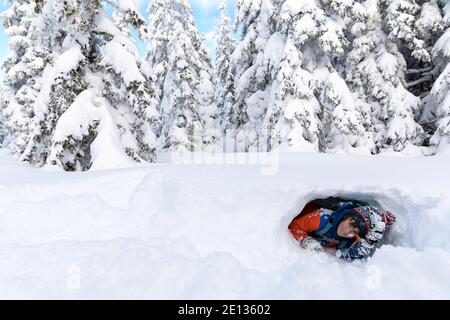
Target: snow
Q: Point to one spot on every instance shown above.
(131, 5)
(66, 62)
(443, 148)
(443, 44)
(168, 230)
(295, 7)
(305, 27)
(447, 12)
(258, 101)
(83, 110)
(274, 51)
(105, 24)
(387, 64)
(123, 61)
(106, 150)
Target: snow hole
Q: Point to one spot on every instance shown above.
(414, 223)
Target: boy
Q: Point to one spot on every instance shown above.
(352, 227)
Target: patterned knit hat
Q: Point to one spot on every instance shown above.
(372, 221)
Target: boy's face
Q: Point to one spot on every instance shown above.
(348, 228)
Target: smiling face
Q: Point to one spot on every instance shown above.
(348, 228)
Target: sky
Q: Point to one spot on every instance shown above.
(205, 15)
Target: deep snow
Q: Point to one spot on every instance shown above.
(217, 231)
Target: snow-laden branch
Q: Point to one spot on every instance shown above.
(423, 70)
(428, 77)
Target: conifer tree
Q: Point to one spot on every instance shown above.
(375, 71)
(223, 71)
(440, 93)
(22, 67)
(95, 98)
(181, 72)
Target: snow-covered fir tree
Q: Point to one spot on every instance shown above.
(255, 23)
(292, 70)
(292, 119)
(400, 16)
(22, 68)
(127, 84)
(344, 120)
(375, 71)
(95, 97)
(310, 106)
(415, 26)
(421, 78)
(64, 34)
(440, 93)
(181, 73)
(223, 70)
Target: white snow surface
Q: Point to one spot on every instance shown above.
(216, 231)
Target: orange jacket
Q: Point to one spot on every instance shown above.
(306, 222)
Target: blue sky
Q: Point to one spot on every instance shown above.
(205, 15)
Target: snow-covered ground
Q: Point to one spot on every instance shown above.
(218, 231)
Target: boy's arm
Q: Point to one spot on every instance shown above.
(301, 226)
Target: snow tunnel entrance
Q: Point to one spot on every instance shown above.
(407, 211)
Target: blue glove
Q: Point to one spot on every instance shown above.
(358, 250)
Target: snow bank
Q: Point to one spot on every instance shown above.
(218, 231)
